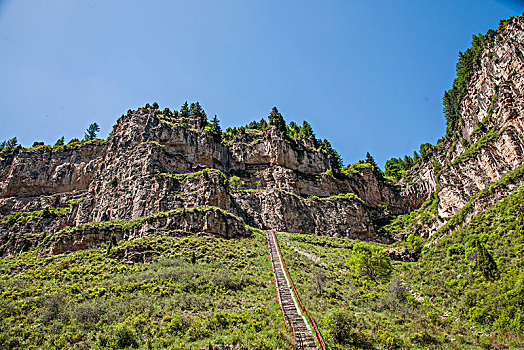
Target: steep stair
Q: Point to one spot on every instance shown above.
(292, 313)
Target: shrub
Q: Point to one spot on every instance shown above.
(371, 261)
(343, 329)
(235, 183)
(415, 245)
(124, 336)
(53, 308)
(455, 249)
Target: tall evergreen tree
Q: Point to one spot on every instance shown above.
(60, 141)
(91, 132)
(276, 119)
(215, 129)
(253, 125)
(9, 147)
(394, 168)
(203, 118)
(167, 112)
(195, 110)
(370, 160)
(416, 156)
(262, 124)
(306, 131)
(184, 110)
(334, 158)
(408, 162)
(485, 262)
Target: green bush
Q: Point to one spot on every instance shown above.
(124, 336)
(371, 261)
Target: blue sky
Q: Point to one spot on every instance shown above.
(368, 76)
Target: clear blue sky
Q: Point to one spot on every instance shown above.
(367, 75)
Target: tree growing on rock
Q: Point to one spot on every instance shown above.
(306, 131)
(184, 110)
(91, 132)
(9, 147)
(60, 142)
(276, 119)
(215, 129)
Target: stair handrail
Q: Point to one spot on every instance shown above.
(275, 282)
(318, 335)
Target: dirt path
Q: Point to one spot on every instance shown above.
(290, 308)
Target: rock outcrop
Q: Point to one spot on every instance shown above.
(489, 142)
(212, 221)
(152, 163)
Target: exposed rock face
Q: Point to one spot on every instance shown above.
(44, 177)
(151, 165)
(209, 221)
(269, 209)
(490, 143)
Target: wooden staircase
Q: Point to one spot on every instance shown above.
(291, 307)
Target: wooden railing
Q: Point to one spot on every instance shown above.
(318, 335)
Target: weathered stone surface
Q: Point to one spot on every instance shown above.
(494, 129)
(43, 177)
(211, 221)
(270, 209)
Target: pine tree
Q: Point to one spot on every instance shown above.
(370, 160)
(485, 262)
(184, 110)
(394, 168)
(9, 147)
(91, 132)
(416, 157)
(203, 118)
(59, 142)
(195, 110)
(262, 124)
(215, 129)
(306, 132)
(334, 158)
(408, 162)
(167, 112)
(276, 119)
(293, 129)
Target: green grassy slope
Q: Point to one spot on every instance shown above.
(443, 300)
(221, 294)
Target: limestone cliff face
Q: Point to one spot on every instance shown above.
(151, 164)
(45, 177)
(490, 141)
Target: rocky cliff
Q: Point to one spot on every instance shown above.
(153, 163)
(488, 142)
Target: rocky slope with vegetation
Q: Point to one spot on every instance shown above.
(153, 238)
(157, 161)
(484, 139)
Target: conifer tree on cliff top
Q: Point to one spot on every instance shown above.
(276, 119)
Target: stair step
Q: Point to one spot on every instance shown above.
(291, 311)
